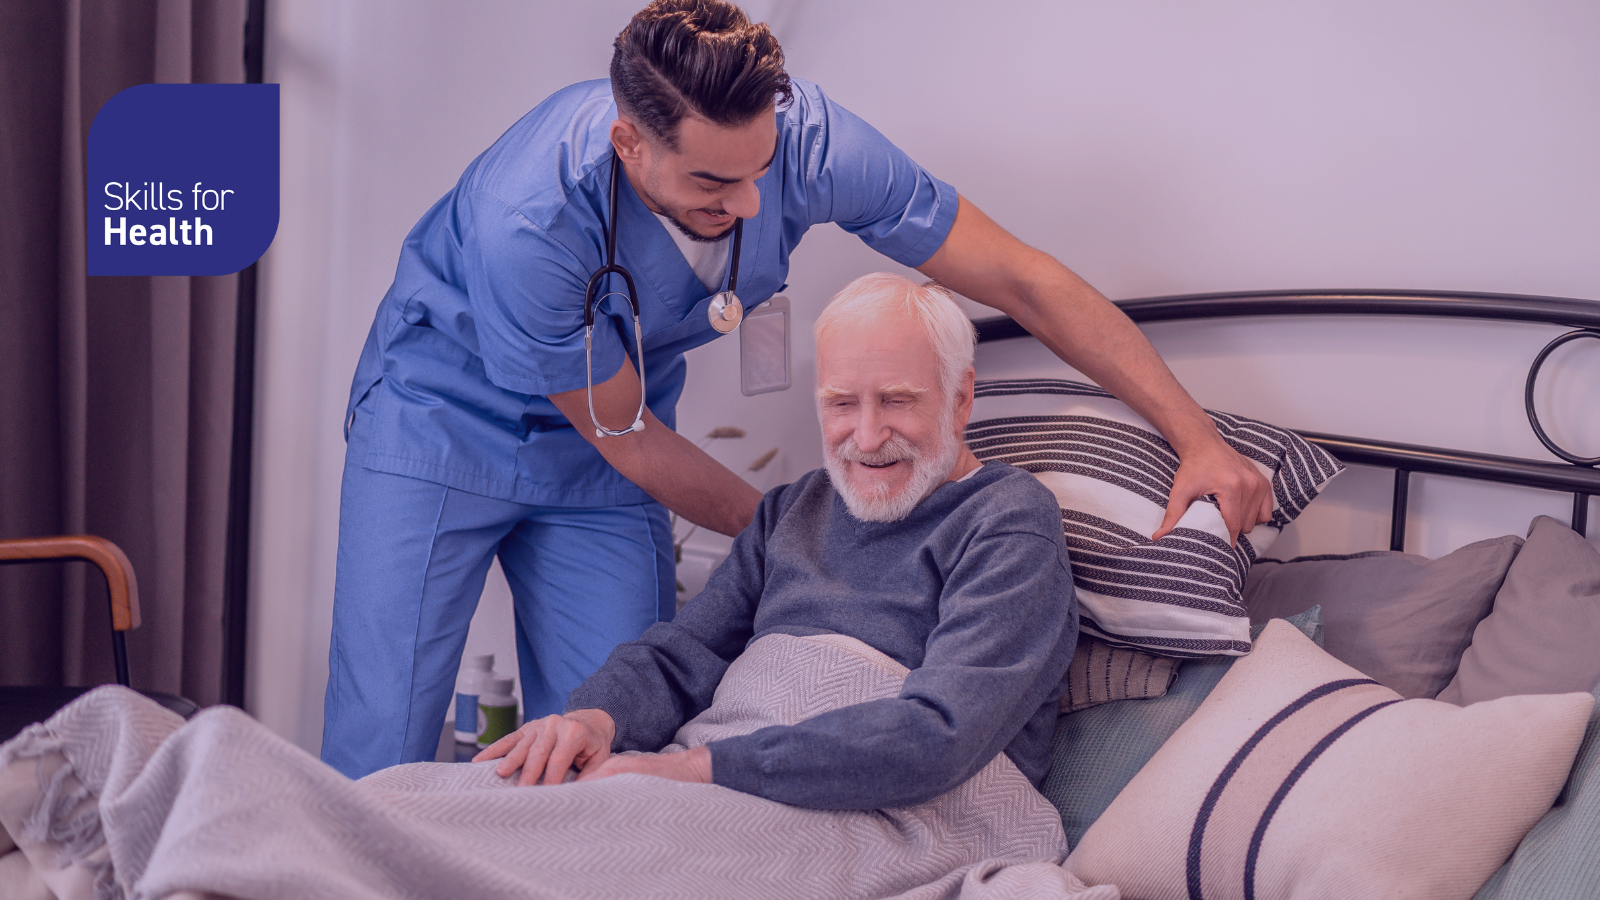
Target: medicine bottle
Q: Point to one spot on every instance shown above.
(473, 682)
(497, 711)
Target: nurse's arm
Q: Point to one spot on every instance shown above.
(663, 463)
(983, 261)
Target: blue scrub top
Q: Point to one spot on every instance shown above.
(485, 316)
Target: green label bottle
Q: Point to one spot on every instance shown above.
(497, 712)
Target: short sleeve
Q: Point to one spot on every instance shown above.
(526, 291)
(870, 187)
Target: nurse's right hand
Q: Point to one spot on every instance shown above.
(545, 749)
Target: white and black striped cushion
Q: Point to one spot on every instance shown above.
(1112, 472)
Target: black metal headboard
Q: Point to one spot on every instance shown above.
(1578, 475)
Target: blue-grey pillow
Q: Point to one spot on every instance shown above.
(1097, 751)
(1557, 859)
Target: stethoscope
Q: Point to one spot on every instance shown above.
(725, 310)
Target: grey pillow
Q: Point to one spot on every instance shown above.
(1402, 619)
(1098, 750)
(1543, 636)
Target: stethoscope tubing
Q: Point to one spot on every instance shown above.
(612, 268)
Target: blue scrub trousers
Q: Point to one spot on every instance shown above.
(412, 560)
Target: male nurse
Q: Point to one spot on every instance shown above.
(469, 427)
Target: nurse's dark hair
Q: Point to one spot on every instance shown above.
(699, 57)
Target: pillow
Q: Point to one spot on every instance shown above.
(1543, 635)
(1402, 619)
(1301, 777)
(1557, 860)
(1097, 751)
(1102, 672)
(1112, 474)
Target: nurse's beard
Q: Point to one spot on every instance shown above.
(672, 216)
(881, 504)
(696, 236)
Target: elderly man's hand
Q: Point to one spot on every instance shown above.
(550, 746)
(692, 765)
(1243, 495)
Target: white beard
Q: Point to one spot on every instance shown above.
(878, 504)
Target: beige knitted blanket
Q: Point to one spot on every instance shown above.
(115, 797)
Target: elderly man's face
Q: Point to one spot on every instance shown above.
(890, 431)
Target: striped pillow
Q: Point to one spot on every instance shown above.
(1102, 673)
(1111, 472)
(1300, 777)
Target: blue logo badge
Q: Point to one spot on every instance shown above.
(183, 179)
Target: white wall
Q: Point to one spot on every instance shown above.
(1156, 148)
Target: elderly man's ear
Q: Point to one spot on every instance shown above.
(964, 400)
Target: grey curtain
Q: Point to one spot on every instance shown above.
(115, 392)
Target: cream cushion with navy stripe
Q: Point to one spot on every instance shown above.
(1112, 472)
(1300, 777)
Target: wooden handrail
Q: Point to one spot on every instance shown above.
(108, 556)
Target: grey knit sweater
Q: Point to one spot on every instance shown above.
(971, 592)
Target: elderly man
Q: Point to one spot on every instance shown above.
(905, 542)
(882, 632)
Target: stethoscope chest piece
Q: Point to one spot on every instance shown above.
(725, 312)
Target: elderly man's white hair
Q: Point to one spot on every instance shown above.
(948, 328)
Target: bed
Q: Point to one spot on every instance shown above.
(1464, 627)
(1161, 779)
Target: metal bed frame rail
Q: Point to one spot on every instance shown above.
(1577, 475)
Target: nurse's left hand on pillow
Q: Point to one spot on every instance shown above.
(551, 746)
(1244, 495)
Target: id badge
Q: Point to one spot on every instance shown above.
(764, 348)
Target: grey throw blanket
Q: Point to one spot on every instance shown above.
(116, 797)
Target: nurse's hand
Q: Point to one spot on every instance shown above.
(547, 748)
(688, 765)
(1244, 496)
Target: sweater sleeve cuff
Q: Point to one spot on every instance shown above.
(736, 764)
(593, 696)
